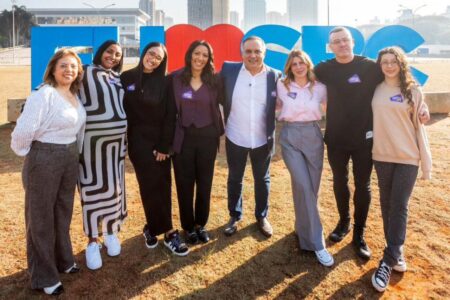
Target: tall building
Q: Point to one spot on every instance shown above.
(168, 22)
(159, 17)
(254, 13)
(148, 6)
(234, 18)
(200, 13)
(274, 17)
(302, 12)
(221, 11)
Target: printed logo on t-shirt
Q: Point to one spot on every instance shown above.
(187, 95)
(397, 98)
(369, 135)
(354, 79)
(274, 94)
(292, 95)
(131, 87)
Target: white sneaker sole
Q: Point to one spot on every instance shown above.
(173, 251)
(400, 268)
(150, 247)
(376, 285)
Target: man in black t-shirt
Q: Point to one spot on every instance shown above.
(351, 81)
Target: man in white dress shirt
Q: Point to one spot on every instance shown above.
(249, 109)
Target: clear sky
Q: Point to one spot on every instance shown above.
(342, 12)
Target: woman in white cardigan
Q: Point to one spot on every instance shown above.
(46, 133)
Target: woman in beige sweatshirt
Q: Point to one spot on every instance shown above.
(400, 145)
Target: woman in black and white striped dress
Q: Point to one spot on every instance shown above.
(102, 162)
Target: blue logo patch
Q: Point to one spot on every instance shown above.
(187, 95)
(292, 95)
(397, 98)
(354, 79)
(131, 87)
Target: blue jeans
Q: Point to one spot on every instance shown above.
(237, 159)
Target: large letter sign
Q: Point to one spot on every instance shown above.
(225, 40)
(45, 41)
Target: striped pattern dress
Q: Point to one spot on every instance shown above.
(102, 161)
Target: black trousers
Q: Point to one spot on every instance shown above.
(362, 169)
(154, 181)
(194, 170)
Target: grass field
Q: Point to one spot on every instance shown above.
(245, 266)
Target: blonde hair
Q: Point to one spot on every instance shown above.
(307, 61)
(49, 78)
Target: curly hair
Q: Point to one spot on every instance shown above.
(49, 78)
(304, 57)
(208, 75)
(407, 82)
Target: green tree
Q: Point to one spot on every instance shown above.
(23, 21)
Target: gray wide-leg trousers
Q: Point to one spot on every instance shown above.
(302, 149)
(49, 177)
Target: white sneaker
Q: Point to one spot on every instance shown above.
(54, 289)
(93, 258)
(112, 244)
(400, 266)
(324, 257)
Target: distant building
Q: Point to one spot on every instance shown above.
(447, 12)
(220, 11)
(159, 17)
(302, 12)
(254, 13)
(274, 17)
(148, 6)
(406, 14)
(168, 22)
(128, 20)
(200, 13)
(234, 18)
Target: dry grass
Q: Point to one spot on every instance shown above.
(245, 266)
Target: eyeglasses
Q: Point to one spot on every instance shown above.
(154, 55)
(338, 41)
(386, 63)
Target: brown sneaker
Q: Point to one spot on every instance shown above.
(265, 227)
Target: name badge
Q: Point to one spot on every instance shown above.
(187, 95)
(354, 79)
(397, 98)
(369, 135)
(292, 95)
(131, 87)
(274, 94)
(113, 81)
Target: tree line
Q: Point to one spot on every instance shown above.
(23, 21)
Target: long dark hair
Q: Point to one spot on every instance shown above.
(207, 75)
(161, 70)
(407, 81)
(98, 55)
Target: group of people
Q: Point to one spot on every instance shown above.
(80, 123)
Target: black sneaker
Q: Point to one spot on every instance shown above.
(202, 234)
(150, 240)
(360, 245)
(175, 245)
(341, 230)
(191, 237)
(380, 279)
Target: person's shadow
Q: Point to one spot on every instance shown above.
(129, 274)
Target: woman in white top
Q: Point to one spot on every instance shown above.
(46, 133)
(300, 98)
